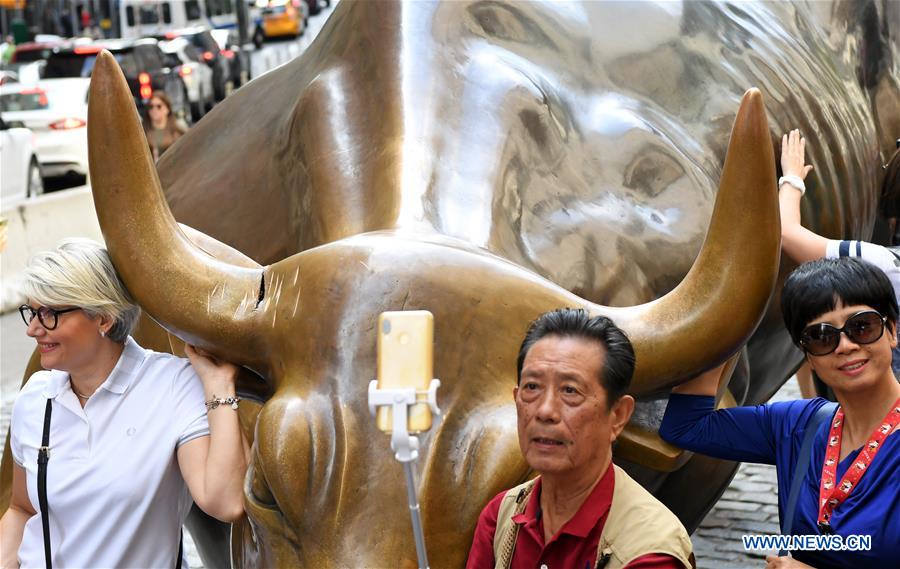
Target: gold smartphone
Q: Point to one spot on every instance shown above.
(405, 359)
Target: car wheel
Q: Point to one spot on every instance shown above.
(35, 180)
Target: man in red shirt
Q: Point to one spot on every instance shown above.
(582, 511)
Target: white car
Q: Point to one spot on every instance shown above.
(56, 112)
(185, 59)
(20, 173)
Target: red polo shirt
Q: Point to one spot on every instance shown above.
(573, 547)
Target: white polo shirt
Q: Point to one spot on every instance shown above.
(114, 490)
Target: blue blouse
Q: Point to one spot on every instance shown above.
(773, 434)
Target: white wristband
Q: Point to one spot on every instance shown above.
(795, 181)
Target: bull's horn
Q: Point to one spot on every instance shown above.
(718, 305)
(192, 294)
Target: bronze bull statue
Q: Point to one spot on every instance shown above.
(486, 161)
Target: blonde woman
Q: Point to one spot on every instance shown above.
(134, 436)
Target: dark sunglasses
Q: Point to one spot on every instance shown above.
(862, 328)
(48, 317)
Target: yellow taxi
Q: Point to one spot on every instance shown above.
(283, 18)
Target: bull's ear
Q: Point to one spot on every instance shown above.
(197, 296)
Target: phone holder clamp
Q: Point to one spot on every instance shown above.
(404, 445)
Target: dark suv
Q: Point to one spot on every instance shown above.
(142, 62)
(203, 40)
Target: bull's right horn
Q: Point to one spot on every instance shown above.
(714, 310)
(200, 299)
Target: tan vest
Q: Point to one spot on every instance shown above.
(637, 524)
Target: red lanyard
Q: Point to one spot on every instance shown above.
(831, 495)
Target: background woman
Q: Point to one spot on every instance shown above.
(161, 127)
(843, 314)
(131, 440)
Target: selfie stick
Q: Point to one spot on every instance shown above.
(405, 445)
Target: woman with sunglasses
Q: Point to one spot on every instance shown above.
(134, 436)
(161, 127)
(843, 314)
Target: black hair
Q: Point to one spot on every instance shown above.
(817, 287)
(618, 365)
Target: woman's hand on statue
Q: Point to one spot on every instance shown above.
(793, 155)
(217, 375)
(775, 562)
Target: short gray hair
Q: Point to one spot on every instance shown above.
(80, 273)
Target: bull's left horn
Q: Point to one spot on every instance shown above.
(718, 305)
(190, 293)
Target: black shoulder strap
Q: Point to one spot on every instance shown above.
(43, 458)
(180, 550)
(821, 415)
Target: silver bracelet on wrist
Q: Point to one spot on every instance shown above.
(794, 181)
(216, 401)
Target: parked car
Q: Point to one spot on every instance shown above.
(32, 51)
(185, 59)
(21, 171)
(238, 58)
(284, 18)
(55, 111)
(142, 62)
(29, 72)
(211, 53)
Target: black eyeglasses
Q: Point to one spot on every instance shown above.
(862, 328)
(48, 317)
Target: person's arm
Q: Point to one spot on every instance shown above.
(691, 421)
(214, 467)
(12, 524)
(800, 244)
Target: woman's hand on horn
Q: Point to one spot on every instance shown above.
(218, 376)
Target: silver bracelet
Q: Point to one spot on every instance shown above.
(794, 181)
(216, 401)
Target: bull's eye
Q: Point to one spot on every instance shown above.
(259, 489)
(653, 172)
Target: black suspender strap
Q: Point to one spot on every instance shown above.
(180, 550)
(43, 458)
(821, 415)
